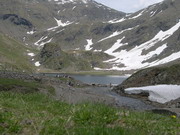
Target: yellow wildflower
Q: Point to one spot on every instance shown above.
(173, 116)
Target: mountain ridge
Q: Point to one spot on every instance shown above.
(145, 38)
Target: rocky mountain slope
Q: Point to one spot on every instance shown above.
(53, 57)
(22, 18)
(152, 76)
(146, 38)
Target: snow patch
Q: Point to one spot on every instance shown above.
(153, 13)
(89, 44)
(62, 2)
(37, 64)
(112, 35)
(77, 49)
(40, 41)
(138, 15)
(73, 7)
(116, 20)
(60, 31)
(31, 32)
(43, 43)
(158, 93)
(31, 54)
(59, 24)
(116, 34)
(115, 46)
(97, 50)
(85, 1)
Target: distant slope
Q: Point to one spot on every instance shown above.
(52, 57)
(45, 14)
(147, 38)
(14, 56)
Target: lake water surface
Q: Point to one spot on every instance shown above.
(95, 79)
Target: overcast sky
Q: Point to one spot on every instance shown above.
(128, 6)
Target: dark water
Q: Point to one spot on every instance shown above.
(94, 79)
(97, 79)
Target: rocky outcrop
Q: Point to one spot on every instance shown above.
(41, 78)
(152, 76)
(52, 57)
(15, 19)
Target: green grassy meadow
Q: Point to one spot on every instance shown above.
(36, 113)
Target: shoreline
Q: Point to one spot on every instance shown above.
(78, 92)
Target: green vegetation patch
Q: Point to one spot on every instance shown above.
(16, 85)
(36, 113)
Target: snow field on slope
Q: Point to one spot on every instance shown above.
(158, 93)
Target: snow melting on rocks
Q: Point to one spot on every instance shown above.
(167, 59)
(68, 1)
(133, 59)
(116, 20)
(59, 24)
(62, 1)
(112, 35)
(73, 7)
(115, 46)
(97, 50)
(138, 15)
(31, 54)
(37, 64)
(85, 1)
(116, 33)
(158, 93)
(31, 32)
(43, 43)
(60, 31)
(77, 49)
(89, 44)
(153, 13)
(40, 41)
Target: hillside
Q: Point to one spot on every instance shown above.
(52, 57)
(15, 56)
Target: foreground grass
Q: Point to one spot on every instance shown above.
(36, 113)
